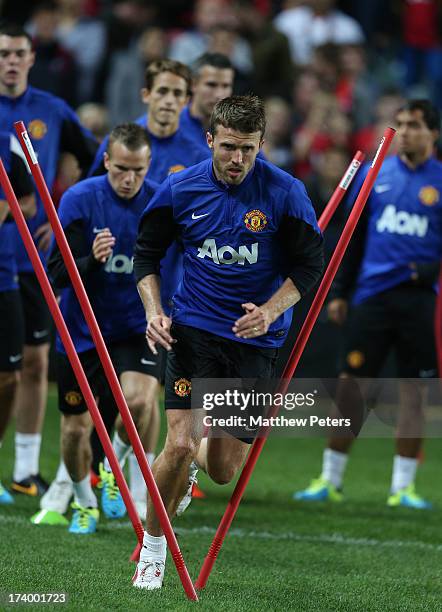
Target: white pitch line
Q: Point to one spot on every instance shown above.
(332, 538)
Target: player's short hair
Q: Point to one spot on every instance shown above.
(216, 60)
(244, 114)
(157, 67)
(14, 30)
(430, 113)
(131, 135)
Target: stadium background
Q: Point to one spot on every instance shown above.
(320, 110)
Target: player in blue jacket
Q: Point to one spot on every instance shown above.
(100, 217)
(252, 248)
(389, 275)
(53, 128)
(11, 317)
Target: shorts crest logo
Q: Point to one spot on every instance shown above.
(73, 398)
(182, 387)
(176, 168)
(255, 220)
(37, 129)
(355, 359)
(429, 195)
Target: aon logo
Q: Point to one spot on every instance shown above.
(120, 264)
(227, 254)
(401, 222)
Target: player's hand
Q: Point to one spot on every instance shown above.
(43, 236)
(157, 332)
(254, 323)
(337, 311)
(103, 245)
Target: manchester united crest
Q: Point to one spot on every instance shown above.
(355, 359)
(176, 168)
(429, 195)
(182, 387)
(73, 398)
(37, 129)
(255, 220)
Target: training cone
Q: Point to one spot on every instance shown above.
(197, 493)
(49, 517)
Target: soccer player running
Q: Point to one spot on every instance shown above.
(100, 218)
(53, 128)
(252, 248)
(11, 317)
(168, 86)
(389, 274)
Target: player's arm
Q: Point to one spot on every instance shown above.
(302, 246)
(88, 261)
(156, 233)
(23, 188)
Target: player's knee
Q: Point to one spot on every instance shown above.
(74, 430)
(35, 363)
(182, 450)
(222, 475)
(9, 381)
(137, 405)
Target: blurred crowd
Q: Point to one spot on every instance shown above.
(332, 72)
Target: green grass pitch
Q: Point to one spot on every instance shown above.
(279, 555)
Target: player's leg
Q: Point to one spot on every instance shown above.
(32, 391)
(368, 338)
(149, 440)
(191, 356)
(138, 371)
(76, 427)
(416, 356)
(11, 349)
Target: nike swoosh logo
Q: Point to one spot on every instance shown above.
(97, 230)
(382, 188)
(147, 362)
(40, 333)
(31, 490)
(194, 216)
(15, 358)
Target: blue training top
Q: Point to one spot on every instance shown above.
(232, 247)
(404, 224)
(53, 127)
(111, 287)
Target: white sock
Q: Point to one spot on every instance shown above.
(83, 493)
(137, 485)
(154, 548)
(27, 454)
(404, 472)
(62, 474)
(333, 466)
(121, 449)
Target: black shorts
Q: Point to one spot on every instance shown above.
(200, 354)
(38, 321)
(11, 331)
(130, 355)
(400, 319)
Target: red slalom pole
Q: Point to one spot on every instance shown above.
(109, 371)
(340, 190)
(69, 346)
(294, 358)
